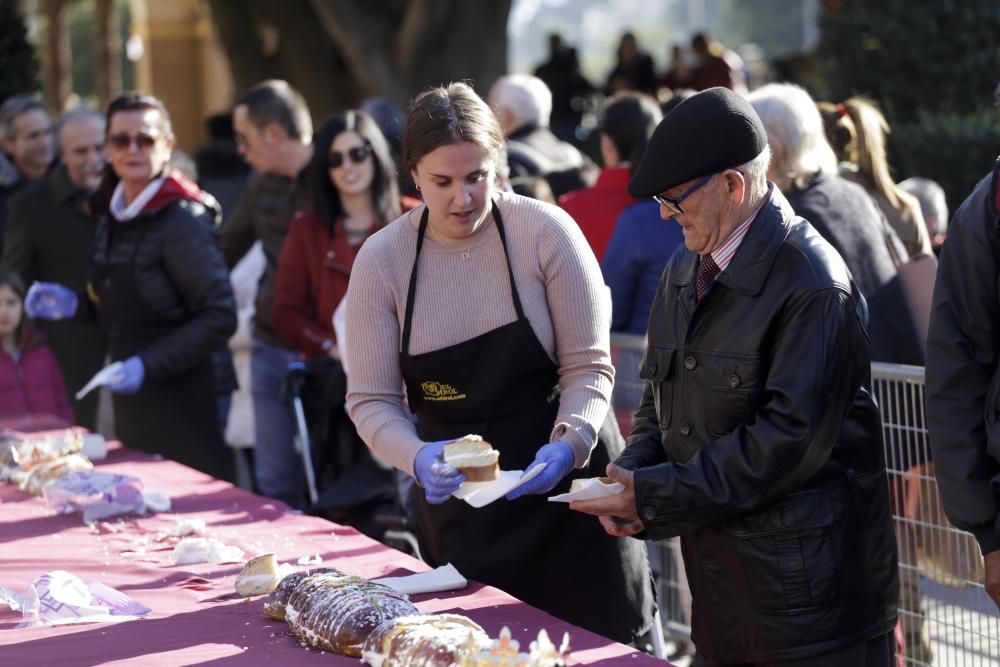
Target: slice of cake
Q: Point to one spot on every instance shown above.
(473, 457)
(259, 576)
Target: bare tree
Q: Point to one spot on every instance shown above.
(338, 52)
(107, 51)
(56, 65)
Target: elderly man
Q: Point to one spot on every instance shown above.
(757, 440)
(49, 234)
(26, 139)
(523, 105)
(274, 135)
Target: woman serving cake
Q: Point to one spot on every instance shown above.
(489, 307)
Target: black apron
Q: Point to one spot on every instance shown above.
(503, 386)
(176, 417)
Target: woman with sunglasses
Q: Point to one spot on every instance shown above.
(159, 287)
(352, 181)
(489, 307)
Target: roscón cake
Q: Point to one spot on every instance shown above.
(438, 640)
(473, 457)
(333, 611)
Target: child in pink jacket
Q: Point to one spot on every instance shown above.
(31, 383)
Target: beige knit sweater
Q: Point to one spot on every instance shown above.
(463, 292)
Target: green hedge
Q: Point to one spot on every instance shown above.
(18, 65)
(932, 67)
(954, 150)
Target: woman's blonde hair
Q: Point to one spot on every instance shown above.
(870, 130)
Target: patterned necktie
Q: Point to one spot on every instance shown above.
(707, 270)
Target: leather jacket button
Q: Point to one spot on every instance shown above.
(652, 368)
(734, 381)
(648, 513)
(686, 429)
(690, 363)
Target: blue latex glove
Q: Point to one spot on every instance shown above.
(130, 379)
(50, 301)
(559, 457)
(438, 478)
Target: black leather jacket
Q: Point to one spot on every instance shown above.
(758, 442)
(963, 367)
(178, 276)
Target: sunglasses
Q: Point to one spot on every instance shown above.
(124, 141)
(357, 155)
(674, 205)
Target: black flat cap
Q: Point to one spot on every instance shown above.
(707, 133)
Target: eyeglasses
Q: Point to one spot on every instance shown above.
(357, 155)
(124, 141)
(675, 204)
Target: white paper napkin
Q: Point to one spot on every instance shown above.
(590, 489)
(106, 375)
(481, 494)
(444, 578)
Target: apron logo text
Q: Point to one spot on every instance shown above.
(438, 391)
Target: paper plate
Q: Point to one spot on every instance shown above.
(481, 494)
(592, 488)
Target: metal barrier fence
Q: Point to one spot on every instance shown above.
(945, 615)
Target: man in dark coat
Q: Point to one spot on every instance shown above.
(757, 440)
(49, 234)
(26, 141)
(273, 134)
(963, 372)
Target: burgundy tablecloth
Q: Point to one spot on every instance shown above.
(195, 619)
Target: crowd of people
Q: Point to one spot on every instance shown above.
(447, 272)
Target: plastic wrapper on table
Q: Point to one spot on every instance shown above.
(58, 597)
(98, 495)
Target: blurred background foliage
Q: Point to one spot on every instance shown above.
(18, 60)
(933, 68)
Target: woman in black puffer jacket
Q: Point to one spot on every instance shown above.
(159, 287)
(161, 291)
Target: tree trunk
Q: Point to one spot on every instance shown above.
(338, 52)
(107, 52)
(58, 76)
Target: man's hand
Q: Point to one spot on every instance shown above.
(617, 513)
(992, 560)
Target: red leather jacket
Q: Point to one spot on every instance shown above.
(312, 278)
(596, 209)
(32, 385)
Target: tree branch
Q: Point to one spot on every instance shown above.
(365, 38)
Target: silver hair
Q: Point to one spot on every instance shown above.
(756, 173)
(76, 115)
(794, 132)
(526, 96)
(933, 203)
(15, 107)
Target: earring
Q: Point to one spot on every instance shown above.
(418, 188)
